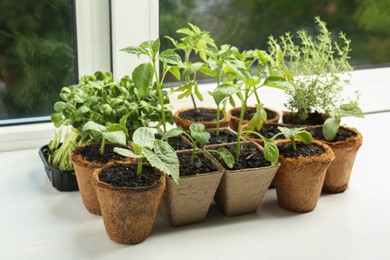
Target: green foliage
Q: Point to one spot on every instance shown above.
(319, 66)
(114, 133)
(271, 151)
(157, 152)
(295, 133)
(199, 137)
(332, 124)
(146, 76)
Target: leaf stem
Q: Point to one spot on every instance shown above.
(139, 166)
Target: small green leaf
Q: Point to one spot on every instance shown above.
(144, 137)
(134, 50)
(351, 109)
(271, 151)
(117, 127)
(59, 106)
(227, 157)
(256, 122)
(143, 77)
(278, 82)
(170, 57)
(199, 133)
(330, 128)
(197, 92)
(172, 133)
(175, 71)
(164, 158)
(305, 137)
(224, 91)
(118, 137)
(92, 126)
(126, 152)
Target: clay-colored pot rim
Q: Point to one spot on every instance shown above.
(223, 119)
(327, 156)
(355, 141)
(276, 112)
(96, 181)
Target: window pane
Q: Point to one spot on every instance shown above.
(37, 58)
(247, 24)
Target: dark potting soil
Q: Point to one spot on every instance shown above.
(342, 134)
(223, 137)
(125, 175)
(250, 112)
(92, 153)
(201, 165)
(313, 119)
(178, 144)
(250, 157)
(302, 150)
(268, 131)
(202, 114)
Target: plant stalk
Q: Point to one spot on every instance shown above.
(139, 166)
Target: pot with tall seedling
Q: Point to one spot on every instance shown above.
(130, 193)
(200, 175)
(243, 187)
(320, 71)
(304, 163)
(345, 142)
(195, 42)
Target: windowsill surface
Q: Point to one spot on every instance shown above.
(40, 222)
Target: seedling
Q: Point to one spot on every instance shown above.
(157, 152)
(332, 124)
(114, 133)
(200, 137)
(295, 133)
(271, 151)
(146, 74)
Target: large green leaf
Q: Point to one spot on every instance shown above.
(172, 133)
(224, 91)
(144, 137)
(227, 157)
(330, 128)
(199, 133)
(143, 77)
(164, 158)
(118, 137)
(278, 82)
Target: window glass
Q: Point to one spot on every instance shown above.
(247, 24)
(37, 58)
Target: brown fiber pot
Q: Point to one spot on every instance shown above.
(242, 191)
(299, 181)
(189, 202)
(84, 170)
(128, 213)
(234, 119)
(185, 123)
(339, 172)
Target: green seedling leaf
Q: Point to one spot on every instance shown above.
(175, 71)
(305, 137)
(351, 109)
(118, 137)
(227, 157)
(330, 128)
(143, 78)
(144, 137)
(197, 92)
(164, 158)
(199, 133)
(135, 50)
(172, 133)
(170, 57)
(92, 126)
(271, 151)
(223, 91)
(126, 153)
(278, 82)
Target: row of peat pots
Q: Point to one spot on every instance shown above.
(129, 214)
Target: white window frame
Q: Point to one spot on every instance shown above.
(132, 22)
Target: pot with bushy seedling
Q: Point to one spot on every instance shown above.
(242, 188)
(195, 41)
(200, 175)
(104, 100)
(304, 163)
(319, 69)
(130, 193)
(91, 156)
(345, 143)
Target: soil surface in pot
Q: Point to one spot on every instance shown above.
(223, 138)
(342, 134)
(302, 150)
(92, 153)
(125, 175)
(178, 144)
(313, 119)
(250, 157)
(250, 112)
(268, 131)
(202, 164)
(203, 114)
